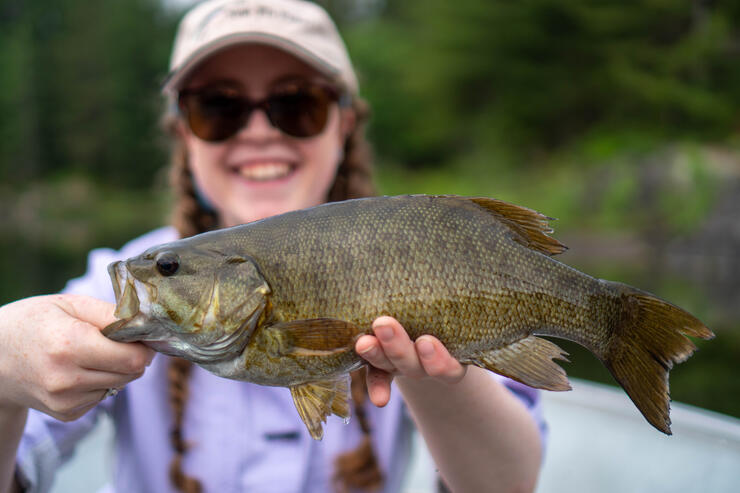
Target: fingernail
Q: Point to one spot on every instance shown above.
(425, 348)
(367, 351)
(385, 334)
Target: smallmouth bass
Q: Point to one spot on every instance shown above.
(282, 301)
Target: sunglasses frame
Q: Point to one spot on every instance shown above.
(207, 130)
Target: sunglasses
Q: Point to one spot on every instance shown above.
(216, 113)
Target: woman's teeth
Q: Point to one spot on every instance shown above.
(265, 171)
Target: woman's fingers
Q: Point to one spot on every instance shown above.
(369, 348)
(81, 344)
(392, 352)
(91, 310)
(128, 358)
(55, 359)
(68, 395)
(437, 361)
(60, 385)
(397, 347)
(100, 380)
(379, 386)
(73, 406)
(88, 316)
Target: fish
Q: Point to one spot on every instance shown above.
(282, 301)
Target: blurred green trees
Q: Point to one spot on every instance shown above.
(79, 80)
(526, 77)
(78, 89)
(79, 139)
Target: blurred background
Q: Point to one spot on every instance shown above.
(621, 119)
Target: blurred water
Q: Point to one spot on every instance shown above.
(598, 442)
(88, 471)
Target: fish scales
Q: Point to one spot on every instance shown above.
(449, 275)
(283, 300)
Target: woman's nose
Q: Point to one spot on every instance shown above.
(258, 126)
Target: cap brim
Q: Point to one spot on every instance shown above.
(176, 77)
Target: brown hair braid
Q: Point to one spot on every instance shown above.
(354, 469)
(177, 375)
(358, 468)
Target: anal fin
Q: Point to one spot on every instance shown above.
(317, 400)
(529, 361)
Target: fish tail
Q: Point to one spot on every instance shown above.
(648, 337)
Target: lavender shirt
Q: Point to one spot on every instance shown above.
(244, 437)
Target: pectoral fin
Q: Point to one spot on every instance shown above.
(313, 337)
(316, 400)
(529, 361)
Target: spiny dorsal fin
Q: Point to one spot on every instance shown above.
(316, 400)
(530, 228)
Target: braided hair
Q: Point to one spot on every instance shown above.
(356, 469)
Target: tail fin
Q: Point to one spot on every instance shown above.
(647, 340)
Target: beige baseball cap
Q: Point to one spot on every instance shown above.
(300, 28)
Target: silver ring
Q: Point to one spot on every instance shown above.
(110, 392)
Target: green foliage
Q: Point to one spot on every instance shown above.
(670, 191)
(79, 138)
(80, 89)
(49, 226)
(450, 78)
(690, 178)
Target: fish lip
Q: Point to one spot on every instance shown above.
(148, 331)
(115, 278)
(131, 329)
(124, 288)
(128, 289)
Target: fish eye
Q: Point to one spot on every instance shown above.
(167, 263)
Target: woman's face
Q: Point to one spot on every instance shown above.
(260, 171)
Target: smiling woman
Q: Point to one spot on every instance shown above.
(266, 118)
(260, 170)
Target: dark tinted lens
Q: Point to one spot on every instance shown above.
(302, 112)
(214, 115)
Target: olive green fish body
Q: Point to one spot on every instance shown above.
(441, 266)
(436, 267)
(476, 273)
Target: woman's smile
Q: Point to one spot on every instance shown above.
(266, 171)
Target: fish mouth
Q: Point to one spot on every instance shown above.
(124, 287)
(132, 299)
(138, 323)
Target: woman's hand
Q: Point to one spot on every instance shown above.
(391, 352)
(53, 357)
(477, 415)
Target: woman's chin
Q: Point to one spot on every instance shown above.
(254, 200)
(263, 208)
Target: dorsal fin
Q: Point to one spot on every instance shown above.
(530, 228)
